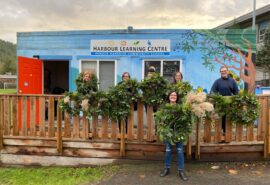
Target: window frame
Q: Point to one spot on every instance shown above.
(161, 64)
(98, 62)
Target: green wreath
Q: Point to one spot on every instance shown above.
(154, 89)
(86, 87)
(244, 109)
(174, 122)
(240, 109)
(182, 88)
(70, 103)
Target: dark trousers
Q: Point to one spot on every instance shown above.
(223, 123)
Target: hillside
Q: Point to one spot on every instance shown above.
(7, 57)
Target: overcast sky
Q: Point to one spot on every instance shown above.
(51, 15)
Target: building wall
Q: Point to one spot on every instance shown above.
(75, 46)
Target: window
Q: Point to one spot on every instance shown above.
(104, 69)
(262, 29)
(166, 68)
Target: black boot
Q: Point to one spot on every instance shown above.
(182, 175)
(165, 172)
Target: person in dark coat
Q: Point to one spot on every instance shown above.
(225, 86)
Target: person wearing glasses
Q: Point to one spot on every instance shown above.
(225, 86)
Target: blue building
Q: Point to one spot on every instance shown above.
(109, 53)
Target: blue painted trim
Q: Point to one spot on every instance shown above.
(55, 57)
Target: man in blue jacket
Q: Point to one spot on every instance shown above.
(225, 86)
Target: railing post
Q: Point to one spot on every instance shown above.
(188, 147)
(150, 123)
(197, 148)
(122, 137)
(1, 123)
(130, 122)
(59, 131)
(267, 130)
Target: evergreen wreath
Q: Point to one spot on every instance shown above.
(240, 109)
(154, 89)
(70, 103)
(181, 88)
(86, 87)
(244, 109)
(174, 122)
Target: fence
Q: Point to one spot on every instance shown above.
(33, 117)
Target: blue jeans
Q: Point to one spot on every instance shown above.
(180, 155)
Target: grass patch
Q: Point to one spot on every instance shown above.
(8, 91)
(54, 175)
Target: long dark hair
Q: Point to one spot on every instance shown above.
(177, 96)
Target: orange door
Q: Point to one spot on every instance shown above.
(29, 82)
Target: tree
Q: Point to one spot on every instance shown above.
(263, 55)
(7, 57)
(232, 48)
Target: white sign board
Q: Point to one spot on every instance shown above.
(130, 47)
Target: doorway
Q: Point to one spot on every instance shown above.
(55, 76)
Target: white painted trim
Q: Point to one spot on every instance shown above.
(115, 72)
(161, 68)
(143, 64)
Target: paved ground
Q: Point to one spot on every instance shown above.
(255, 173)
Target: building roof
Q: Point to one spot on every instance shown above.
(245, 17)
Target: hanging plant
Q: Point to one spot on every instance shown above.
(70, 103)
(182, 88)
(154, 89)
(85, 87)
(174, 122)
(244, 109)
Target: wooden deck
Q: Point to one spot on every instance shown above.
(30, 126)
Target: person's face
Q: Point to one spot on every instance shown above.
(86, 77)
(224, 72)
(125, 77)
(178, 77)
(173, 97)
(150, 74)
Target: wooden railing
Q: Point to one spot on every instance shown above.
(36, 116)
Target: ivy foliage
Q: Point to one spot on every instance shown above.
(174, 122)
(154, 90)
